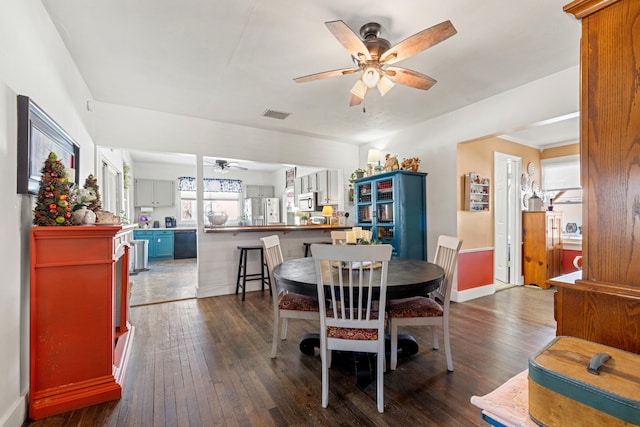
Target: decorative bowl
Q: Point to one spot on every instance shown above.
(217, 218)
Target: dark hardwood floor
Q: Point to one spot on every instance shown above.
(206, 362)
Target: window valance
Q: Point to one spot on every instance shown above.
(211, 185)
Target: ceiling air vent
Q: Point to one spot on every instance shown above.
(276, 114)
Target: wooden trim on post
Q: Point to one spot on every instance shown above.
(582, 8)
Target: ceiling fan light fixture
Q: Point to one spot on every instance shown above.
(359, 89)
(384, 85)
(370, 77)
(373, 56)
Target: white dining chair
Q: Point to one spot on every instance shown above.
(286, 305)
(351, 322)
(427, 310)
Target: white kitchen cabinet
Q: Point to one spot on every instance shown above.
(305, 184)
(298, 188)
(327, 187)
(309, 183)
(154, 193)
(258, 191)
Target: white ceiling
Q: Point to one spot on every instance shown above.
(231, 60)
(550, 133)
(208, 162)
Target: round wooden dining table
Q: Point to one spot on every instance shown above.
(405, 278)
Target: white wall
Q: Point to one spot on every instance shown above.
(134, 128)
(434, 141)
(33, 62)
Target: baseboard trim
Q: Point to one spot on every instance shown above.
(473, 293)
(215, 291)
(17, 415)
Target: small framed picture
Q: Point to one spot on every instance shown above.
(290, 178)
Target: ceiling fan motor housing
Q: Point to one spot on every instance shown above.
(376, 45)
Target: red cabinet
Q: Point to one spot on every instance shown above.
(80, 335)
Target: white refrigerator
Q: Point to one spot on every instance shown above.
(271, 210)
(262, 211)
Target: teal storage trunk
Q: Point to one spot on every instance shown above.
(575, 382)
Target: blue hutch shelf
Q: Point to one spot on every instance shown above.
(393, 206)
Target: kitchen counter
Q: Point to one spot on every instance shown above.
(276, 227)
(218, 252)
(572, 241)
(167, 228)
(566, 279)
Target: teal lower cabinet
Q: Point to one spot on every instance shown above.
(163, 244)
(160, 243)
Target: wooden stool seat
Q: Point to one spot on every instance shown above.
(242, 270)
(307, 246)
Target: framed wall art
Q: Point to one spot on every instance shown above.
(290, 177)
(38, 135)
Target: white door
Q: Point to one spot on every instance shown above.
(501, 227)
(507, 218)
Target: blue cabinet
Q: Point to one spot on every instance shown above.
(160, 243)
(163, 242)
(393, 205)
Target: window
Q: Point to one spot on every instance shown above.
(111, 190)
(231, 203)
(220, 195)
(187, 209)
(231, 207)
(561, 173)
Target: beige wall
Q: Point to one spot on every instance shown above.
(476, 228)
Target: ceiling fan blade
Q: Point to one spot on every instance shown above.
(348, 39)
(325, 74)
(410, 78)
(355, 100)
(418, 42)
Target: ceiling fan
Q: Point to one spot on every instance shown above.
(374, 56)
(223, 166)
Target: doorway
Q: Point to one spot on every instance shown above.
(165, 281)
(507, 220)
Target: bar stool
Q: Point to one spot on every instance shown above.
(242, 270)
(307, 246)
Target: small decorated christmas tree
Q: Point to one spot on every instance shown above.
(91, 184)
(53, 205)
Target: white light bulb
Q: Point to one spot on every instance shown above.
(370, 77)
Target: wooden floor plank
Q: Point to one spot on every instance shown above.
(206, 362)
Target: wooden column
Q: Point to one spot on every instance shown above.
(604, 304)
(80, 334)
